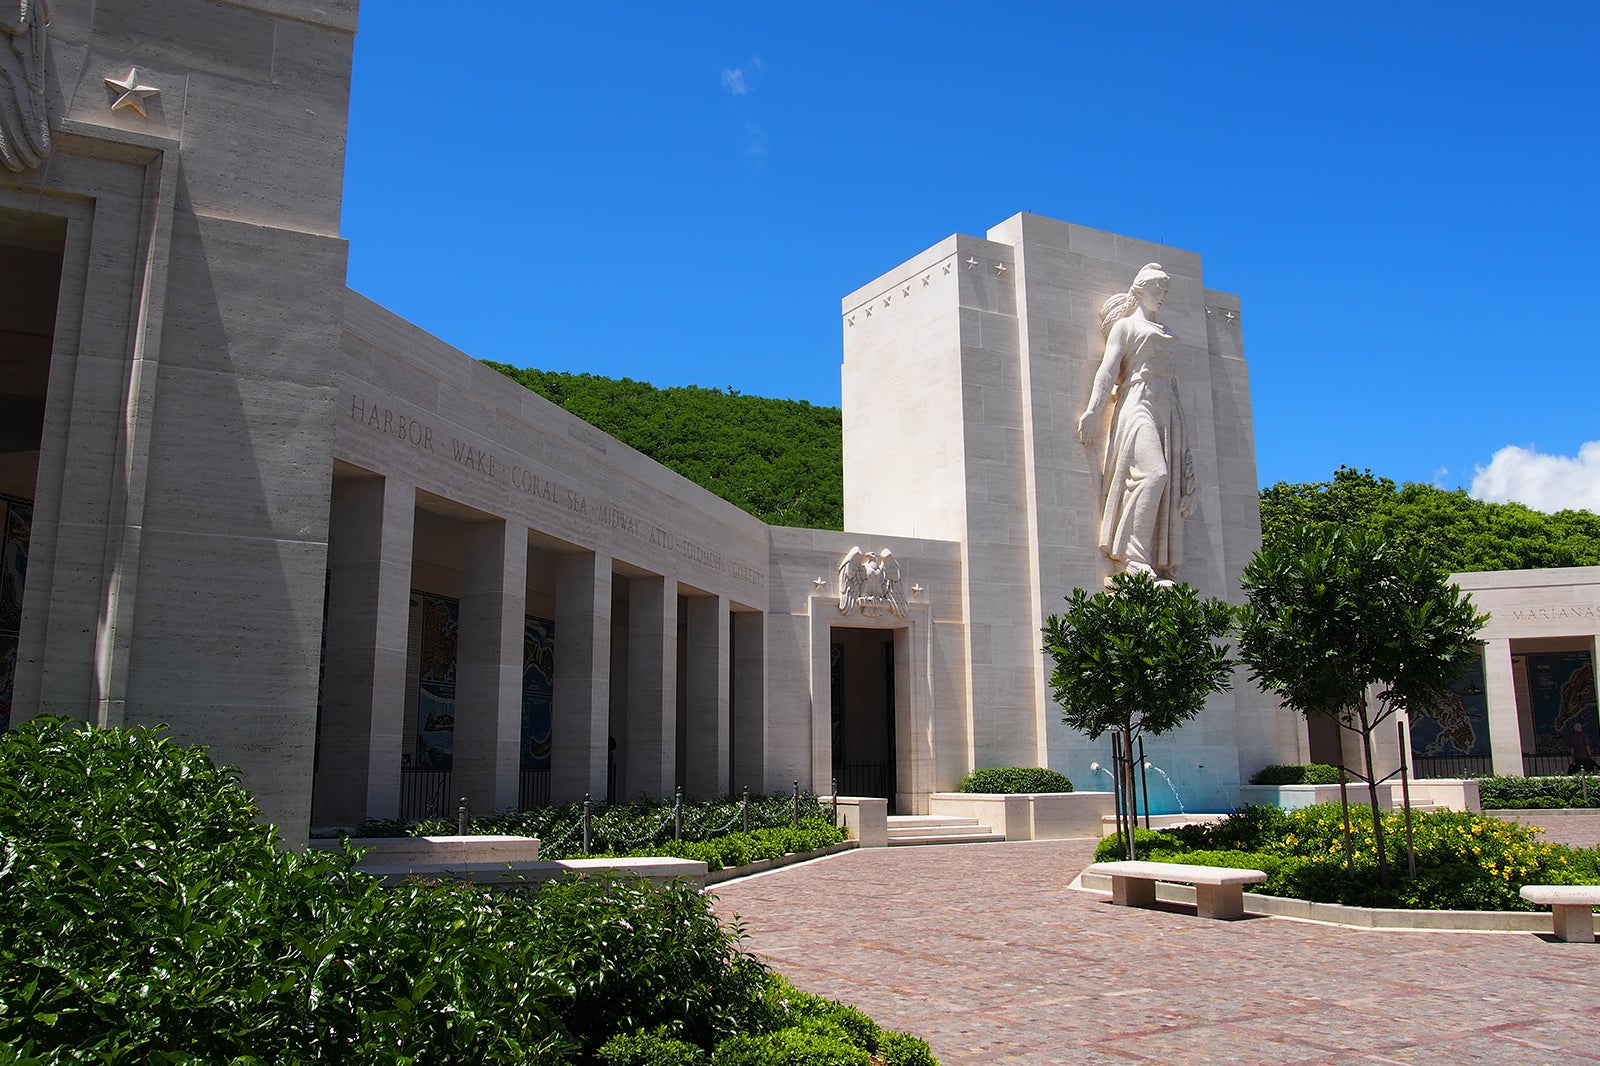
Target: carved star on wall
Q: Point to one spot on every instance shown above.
(820, 584)
(999, 268)
(130, 93)
(917, 590)
(947, 267)
(971, 262)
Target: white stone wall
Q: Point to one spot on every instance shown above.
(182, 499)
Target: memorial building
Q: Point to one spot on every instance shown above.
(242, 500)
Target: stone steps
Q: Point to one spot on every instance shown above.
(906, 830)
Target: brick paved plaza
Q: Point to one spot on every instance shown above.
(982, 950)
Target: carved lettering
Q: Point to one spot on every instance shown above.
(389, 422)
(1558, 613)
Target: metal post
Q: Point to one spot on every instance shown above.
(835, 801)
(677, 814)
(1144, 782)
(1405, 798)
(463, 818)
(587, 807)
(794, 807)
(744, 811)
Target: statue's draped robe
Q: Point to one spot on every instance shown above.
(24, 112)
(1144, 459)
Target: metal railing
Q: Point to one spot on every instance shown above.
(425, 793)
(1436, 766)
(1545, 765)
(864, 779)
(533, 789)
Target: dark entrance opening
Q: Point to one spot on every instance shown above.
(861, 667)
(31, 250)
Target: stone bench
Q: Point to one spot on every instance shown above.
(1218, 890)
(1571, 909)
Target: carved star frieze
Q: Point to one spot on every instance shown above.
(130, 92)
(1229, 315)
(906, 291)
(851, 320)
(947, 267)
(819, 584)
(869, 310)
(917, 590)
(999, 269)
(925, 278)
(886, 301)
(971, 262)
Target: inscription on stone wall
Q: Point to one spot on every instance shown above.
(409, 432)
(1559, 613)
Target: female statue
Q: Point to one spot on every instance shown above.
(1149, 477)
(24, 112)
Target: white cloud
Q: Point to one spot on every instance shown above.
(755, 142)
(737, 81)
(1546, 483)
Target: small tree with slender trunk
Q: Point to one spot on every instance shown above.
(1139, 659)
(1336, 613)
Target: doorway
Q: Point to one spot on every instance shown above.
(862, 694)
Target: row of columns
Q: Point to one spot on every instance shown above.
(364, 693)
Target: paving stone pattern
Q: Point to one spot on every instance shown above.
(982, 950)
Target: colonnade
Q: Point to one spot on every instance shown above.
(672, 675)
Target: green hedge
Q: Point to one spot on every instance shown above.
(1538, 793)
(150, 919)
(741, 849)
(1011, 780)
(1464, 861)
(1304, 774)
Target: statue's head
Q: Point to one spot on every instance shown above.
(1150, 286)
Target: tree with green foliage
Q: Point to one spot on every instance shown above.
(780, 460)
(1335, 612)
(1137, 659)
(1459, 533)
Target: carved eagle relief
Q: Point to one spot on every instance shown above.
(870, 581)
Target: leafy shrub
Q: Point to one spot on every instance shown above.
(1144, 840)
(150, 918)
(1010, 780)
(1303, 774)
(1539, 793)
(650, 1049)
(641, 828)
(740, 849)
(1464, 861)
(902, 1049)
(789, 1047)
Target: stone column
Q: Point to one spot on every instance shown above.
(652, 755)
(706, 765)
(749, 732)
(364, 672)
(581, 702)
(488, 729)
(1500, 691)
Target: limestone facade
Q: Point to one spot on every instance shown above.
(261, 509)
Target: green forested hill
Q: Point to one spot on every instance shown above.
(781, 460)
(1462, 534)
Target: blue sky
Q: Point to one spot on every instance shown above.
(1403, 195)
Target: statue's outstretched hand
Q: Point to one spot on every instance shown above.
(1085, 428)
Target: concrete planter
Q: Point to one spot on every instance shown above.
(1028, 815)
(1294, 797)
